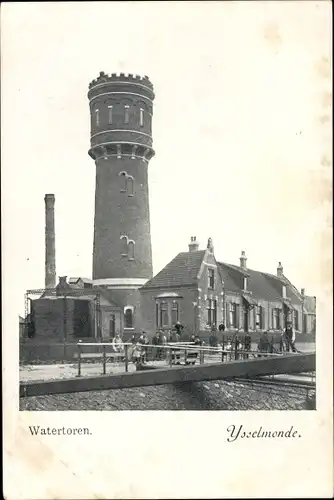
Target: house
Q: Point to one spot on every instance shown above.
(189, 289)
(202, 293)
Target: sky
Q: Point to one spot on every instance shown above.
(241, 130)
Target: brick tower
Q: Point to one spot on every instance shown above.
(121, 107)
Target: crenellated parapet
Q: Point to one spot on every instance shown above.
(121, 78)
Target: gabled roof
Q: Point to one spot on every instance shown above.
(230, 276)
(277, 283)
(262, 285)
(257, 283)
(181, 271)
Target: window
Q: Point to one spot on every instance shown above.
(97, 115)
(124, 245)
(128, 318)
(141, 117)
(164, 314)
(123, 176)
(233, 315)
(211, 283)
(110, 115)
(296, 320)
(211, 310)
(175, 312)
(129, 185)
(126, 114)
(131, 250)
(276, 319)
(258, 317)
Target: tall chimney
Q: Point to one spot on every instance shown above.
(280, 270)
(243, 260)
(193, 245)
(50, 247)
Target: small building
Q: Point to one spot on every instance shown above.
(74, 311)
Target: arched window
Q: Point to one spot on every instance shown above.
(141, 117)
(123, 176)
(129, 185)
(128, 318)
(97, 114)
(131, 250)
(124, 245)
(110, 115)
(126, 114)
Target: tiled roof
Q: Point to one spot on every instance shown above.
(262, 285)
(256, 282)
(181, 271)
(230, 276)
(277, 283)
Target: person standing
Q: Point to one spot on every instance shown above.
(179, 329)
(290, 336)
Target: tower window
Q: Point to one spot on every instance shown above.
(131, 250)
(129, 185)
(128, 318)
(97, 115)
(141, 117)
(124, 245)
(110, 115)
(123, 176)
(126, 114)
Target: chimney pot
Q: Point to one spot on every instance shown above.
(193, 245)
(280, 269)
(243, 260)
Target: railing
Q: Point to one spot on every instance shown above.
(124, 355)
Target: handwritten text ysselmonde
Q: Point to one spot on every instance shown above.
(239, 432)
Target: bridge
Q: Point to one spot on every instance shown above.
(249, 367)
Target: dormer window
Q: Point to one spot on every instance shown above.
(211, 279)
